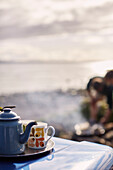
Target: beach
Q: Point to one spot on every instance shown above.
(55, 107)
(49, 92)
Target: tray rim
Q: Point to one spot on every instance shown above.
(34, 153)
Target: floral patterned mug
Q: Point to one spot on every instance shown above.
(39, 135)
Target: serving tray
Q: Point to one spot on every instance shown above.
(30, 153)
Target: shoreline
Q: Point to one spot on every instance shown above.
(54, 61)
(70, 91)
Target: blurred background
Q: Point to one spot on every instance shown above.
(48, 51)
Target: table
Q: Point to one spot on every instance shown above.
(68, 155)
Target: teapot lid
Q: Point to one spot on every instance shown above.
(8, 114)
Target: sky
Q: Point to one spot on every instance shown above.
(56, 30)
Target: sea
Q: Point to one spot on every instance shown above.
(48, 47)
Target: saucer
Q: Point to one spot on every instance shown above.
(30, 153)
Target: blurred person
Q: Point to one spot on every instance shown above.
(95, 91)
(98, 88)
(109, 78)
(108, 91)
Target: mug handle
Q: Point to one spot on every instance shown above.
(53, 132)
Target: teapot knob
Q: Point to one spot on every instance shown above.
(8, 108)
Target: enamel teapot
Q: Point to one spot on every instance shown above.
(12, 138)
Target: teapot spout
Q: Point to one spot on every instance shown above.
(24, 136)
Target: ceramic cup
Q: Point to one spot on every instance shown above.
(39, 135)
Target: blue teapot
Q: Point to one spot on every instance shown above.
(12, 138)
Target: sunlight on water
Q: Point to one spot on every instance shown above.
(46, 77)
(101, 68)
